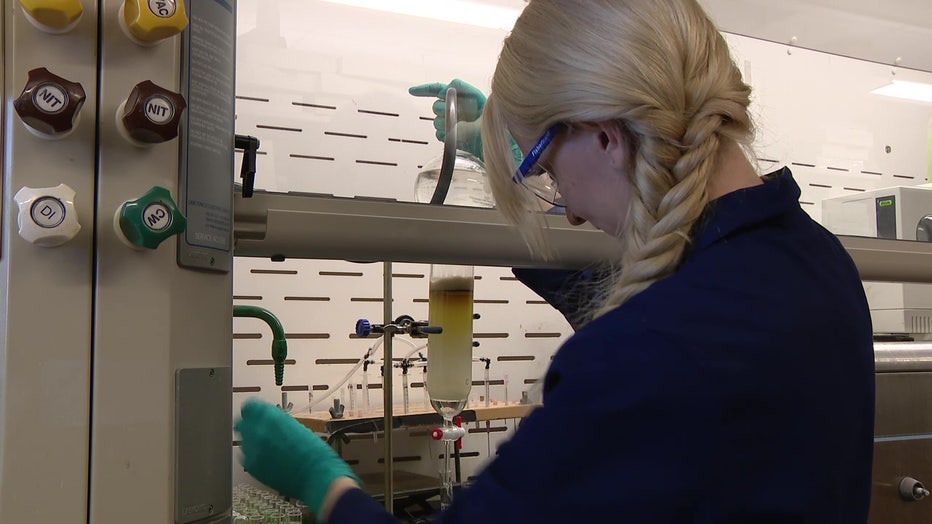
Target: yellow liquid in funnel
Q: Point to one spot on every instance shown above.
(449, 354)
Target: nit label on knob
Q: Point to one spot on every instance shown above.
(157, 217)
(48, 212)
(159, 109)
(50, 98)
(162, 8)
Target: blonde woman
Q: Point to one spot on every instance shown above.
(726, 374)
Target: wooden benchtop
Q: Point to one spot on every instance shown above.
(322, 422)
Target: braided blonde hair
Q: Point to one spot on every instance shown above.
(660, 70)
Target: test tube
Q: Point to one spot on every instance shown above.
(404, 379)
(365, 387)
(351, 396)
(487, 401)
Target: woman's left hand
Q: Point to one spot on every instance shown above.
(286, 456)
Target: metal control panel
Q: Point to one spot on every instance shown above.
(153, 317)
(49, 114)
(101, 328)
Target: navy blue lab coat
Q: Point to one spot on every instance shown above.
(738, 390)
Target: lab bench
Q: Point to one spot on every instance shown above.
(411, 491)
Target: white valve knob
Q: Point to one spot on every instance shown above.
(46, 215)
(452, 433)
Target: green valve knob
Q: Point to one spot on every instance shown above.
(148, 220)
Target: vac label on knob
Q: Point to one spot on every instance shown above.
(162, 8)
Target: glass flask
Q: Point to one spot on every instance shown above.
(469, 185)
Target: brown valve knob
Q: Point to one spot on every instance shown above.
(49, 105)
(150, 115)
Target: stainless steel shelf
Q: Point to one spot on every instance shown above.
(296, 225)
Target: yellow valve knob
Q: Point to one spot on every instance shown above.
(148, 22)
(53, 16)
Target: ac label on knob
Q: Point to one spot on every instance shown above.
(162, 8)
(48, 212)
(50, 99)
(158, 217)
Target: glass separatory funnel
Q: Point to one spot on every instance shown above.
(449, 355)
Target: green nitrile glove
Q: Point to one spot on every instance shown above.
(286, 456)
(469, 103)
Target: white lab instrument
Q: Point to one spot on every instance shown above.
(901, 213)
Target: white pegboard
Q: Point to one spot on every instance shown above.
(324, 88)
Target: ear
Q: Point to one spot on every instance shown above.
(613, 142)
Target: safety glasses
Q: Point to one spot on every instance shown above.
(532, 174)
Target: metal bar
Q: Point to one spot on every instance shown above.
(320, 227)
(885, 260)
(292, 225)
(387, 381)
(893, 357)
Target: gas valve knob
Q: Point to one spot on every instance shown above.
(148, 22)
(146, 222)
(49, 105)
(912, 490)
(363, 328)
(150, 115)
(53, 16)
(46, 215)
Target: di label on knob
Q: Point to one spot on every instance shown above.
(48, 212)
(47, 216)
